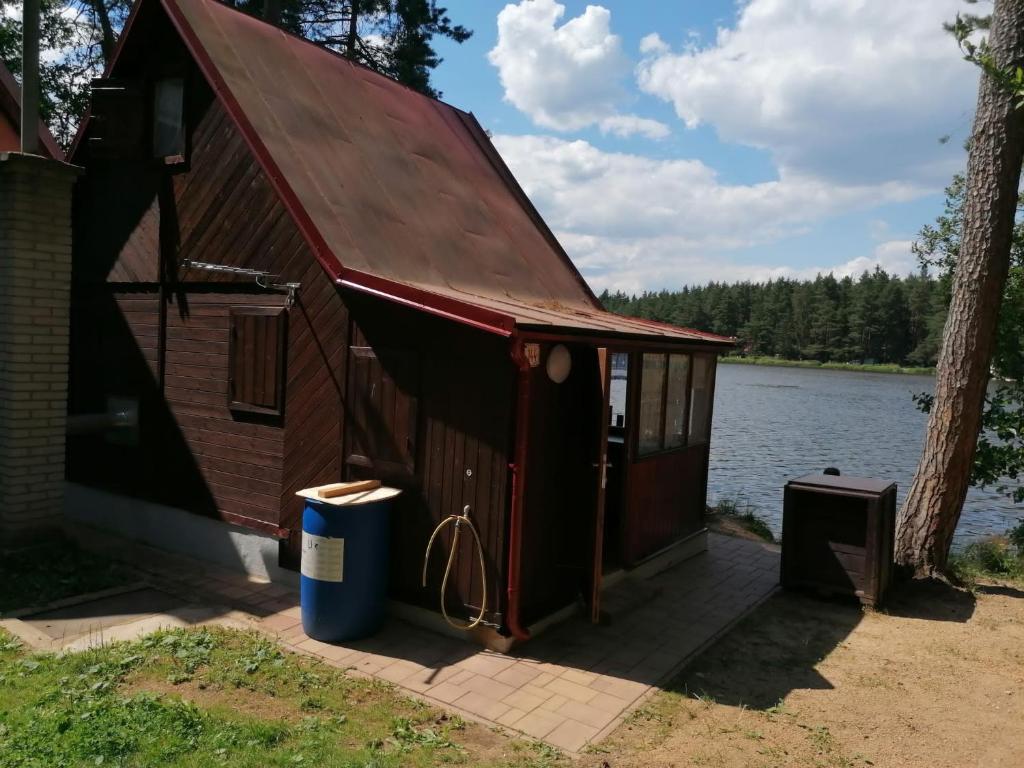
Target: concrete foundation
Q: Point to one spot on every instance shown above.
(176, 530)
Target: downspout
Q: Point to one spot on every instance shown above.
(518, 466)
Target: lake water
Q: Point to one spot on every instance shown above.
(773, 424)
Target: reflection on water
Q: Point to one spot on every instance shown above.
(773, 424)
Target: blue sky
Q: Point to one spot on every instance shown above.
(681, 142)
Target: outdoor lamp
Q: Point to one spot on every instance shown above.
(559, 363)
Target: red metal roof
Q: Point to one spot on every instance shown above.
(10, 120)
(398, 194)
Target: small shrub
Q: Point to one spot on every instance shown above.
(992, 557)
(756, 525)
(744, 516)
(1016, 537)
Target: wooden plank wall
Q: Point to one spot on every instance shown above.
(318, 328)
(221, 209)
(465, 399)
(666, 500)
(561, 483)
(210, 460)
(114, 352)
(240, 457)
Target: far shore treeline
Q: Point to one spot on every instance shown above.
(876, 318)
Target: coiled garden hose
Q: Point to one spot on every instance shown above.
(458, 521)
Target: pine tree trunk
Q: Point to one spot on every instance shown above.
(932, 509)
(353, 29)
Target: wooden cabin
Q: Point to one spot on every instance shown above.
(302, 272)
(10, 120)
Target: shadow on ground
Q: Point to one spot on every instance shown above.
(930, 600)
(999, 589)
(776, 650)
(771, 653)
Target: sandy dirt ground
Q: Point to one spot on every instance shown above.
(934, 680)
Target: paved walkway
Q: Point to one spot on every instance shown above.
(569, 687)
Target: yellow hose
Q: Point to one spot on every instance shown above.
(458, 521)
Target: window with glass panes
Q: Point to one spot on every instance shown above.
(675, 401)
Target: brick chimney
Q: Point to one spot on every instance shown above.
(35, 287)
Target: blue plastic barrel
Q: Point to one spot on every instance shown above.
(344, 570)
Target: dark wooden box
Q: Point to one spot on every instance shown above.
(837, 535)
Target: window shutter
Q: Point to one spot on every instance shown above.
(256, 359)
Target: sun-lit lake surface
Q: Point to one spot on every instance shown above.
(773, 424)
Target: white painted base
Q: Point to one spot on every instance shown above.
(176, 530)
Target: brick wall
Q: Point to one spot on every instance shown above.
(35, 283)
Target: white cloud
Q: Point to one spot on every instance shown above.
(634, 222)
(584, 189)
(894, 256)
(630, 125)
(639, 264)
(857, 91)
(653, 43)
(566, 77)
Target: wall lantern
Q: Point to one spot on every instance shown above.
(559, 363)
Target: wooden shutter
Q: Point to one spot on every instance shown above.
(256, 359)
(381, 413)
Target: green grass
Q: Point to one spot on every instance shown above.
(217, 697)
(994, 557)
(52, 570)
(861, 367)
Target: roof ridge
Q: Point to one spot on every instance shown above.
(331, 52)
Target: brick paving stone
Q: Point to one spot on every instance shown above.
(610, 704)
(346, 658)
(399, 670)
(488, 687)
(372, 663)
(309, 645)
(525, 700)
(542, 679)
(571, 735)
(576, 676)
(518, 674)
(554, 703)
(447, 692)
(278, 622)
(428, 677)
(482, 705)
(621, 688)
(574, 691)
(511, 716)
(462, 675)
(586, 714)
(486, 664)
(292, 634)
(538, 723)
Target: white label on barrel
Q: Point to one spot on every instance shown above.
(323, 557)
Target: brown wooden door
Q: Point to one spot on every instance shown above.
(381, 414)
(604, 372)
